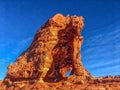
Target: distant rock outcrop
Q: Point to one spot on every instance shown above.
(54, 51)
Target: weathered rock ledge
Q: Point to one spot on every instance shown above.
(102, 83)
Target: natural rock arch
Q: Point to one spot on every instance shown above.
(54, 51)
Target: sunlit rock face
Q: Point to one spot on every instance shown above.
(54, 51)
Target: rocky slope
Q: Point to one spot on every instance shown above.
(101, 83)
(54, 51)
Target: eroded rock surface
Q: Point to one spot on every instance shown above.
(101, 83)
(54, 51)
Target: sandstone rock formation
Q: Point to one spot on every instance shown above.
(0, 82)
(54, 51)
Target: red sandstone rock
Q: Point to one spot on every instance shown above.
(110, 84)
(54, 51)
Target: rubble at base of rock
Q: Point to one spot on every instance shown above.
(54, 51)
(102, 83)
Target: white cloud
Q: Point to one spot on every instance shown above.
(101, 64)
(110, 69)
(26, 40)
(21, 45)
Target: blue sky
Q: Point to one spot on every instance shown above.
(20, 19)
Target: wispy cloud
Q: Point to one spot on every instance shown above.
(102, 64)
(108, 69)
(101, 50)
(25, 41)
(103, 41)
(21, 45)
(106, 35)
(111, 70)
